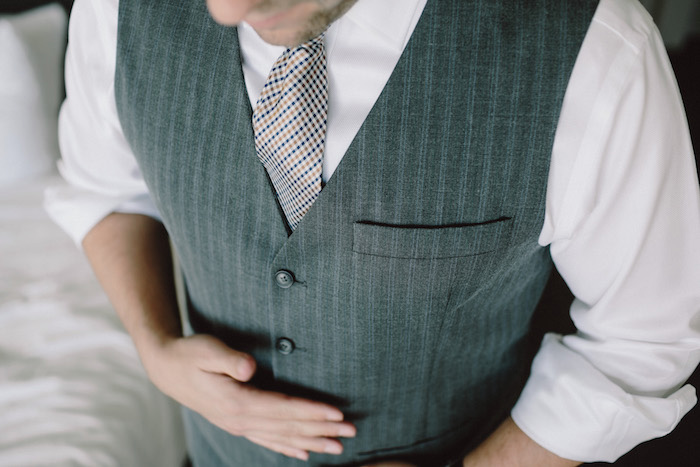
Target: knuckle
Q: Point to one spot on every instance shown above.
(231, 427)
(236, 427)
(244, 425)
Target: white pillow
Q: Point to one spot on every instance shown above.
(31, 87)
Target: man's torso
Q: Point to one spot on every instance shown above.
(416, 270)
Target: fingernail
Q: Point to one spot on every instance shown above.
(304, 456)
(333, 448)
(347, 431)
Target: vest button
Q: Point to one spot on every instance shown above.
(284, 279)
(284, 346)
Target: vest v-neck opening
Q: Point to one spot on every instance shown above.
(352, 151)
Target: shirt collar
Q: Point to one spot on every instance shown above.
(390, 19)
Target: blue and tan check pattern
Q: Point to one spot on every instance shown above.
(290, 126)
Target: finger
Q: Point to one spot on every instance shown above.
(320, 445)
(275, 405)
(281, 448)
(308, 429)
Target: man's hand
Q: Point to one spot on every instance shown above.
(509, 446)
(205, 375)
(131, 257)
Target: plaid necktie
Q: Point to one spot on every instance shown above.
(290, 126)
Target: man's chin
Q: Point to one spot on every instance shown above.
(285, 37)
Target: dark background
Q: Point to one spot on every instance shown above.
(16, 6)
(681, 448)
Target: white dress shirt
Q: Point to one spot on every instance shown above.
(622, 209)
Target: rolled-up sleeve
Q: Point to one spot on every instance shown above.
(623, 225)
(100, 172)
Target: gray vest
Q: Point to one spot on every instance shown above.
(416, 271)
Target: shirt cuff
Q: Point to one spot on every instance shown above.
(77, 210)
(140, 204)
(571, 409)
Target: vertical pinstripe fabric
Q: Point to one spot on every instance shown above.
(417, 268)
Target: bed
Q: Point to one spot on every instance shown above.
(72, 389)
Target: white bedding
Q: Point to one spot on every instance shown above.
(72, 390)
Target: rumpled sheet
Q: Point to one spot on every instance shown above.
(72, 389)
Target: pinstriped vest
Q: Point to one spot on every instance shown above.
(416, 270)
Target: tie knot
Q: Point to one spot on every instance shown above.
(310, 50)
(312, 46)
(302, 63)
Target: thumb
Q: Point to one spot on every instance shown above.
(240, 366)
(223, 359)
(243, 366)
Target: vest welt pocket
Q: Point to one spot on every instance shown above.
(427, 241)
